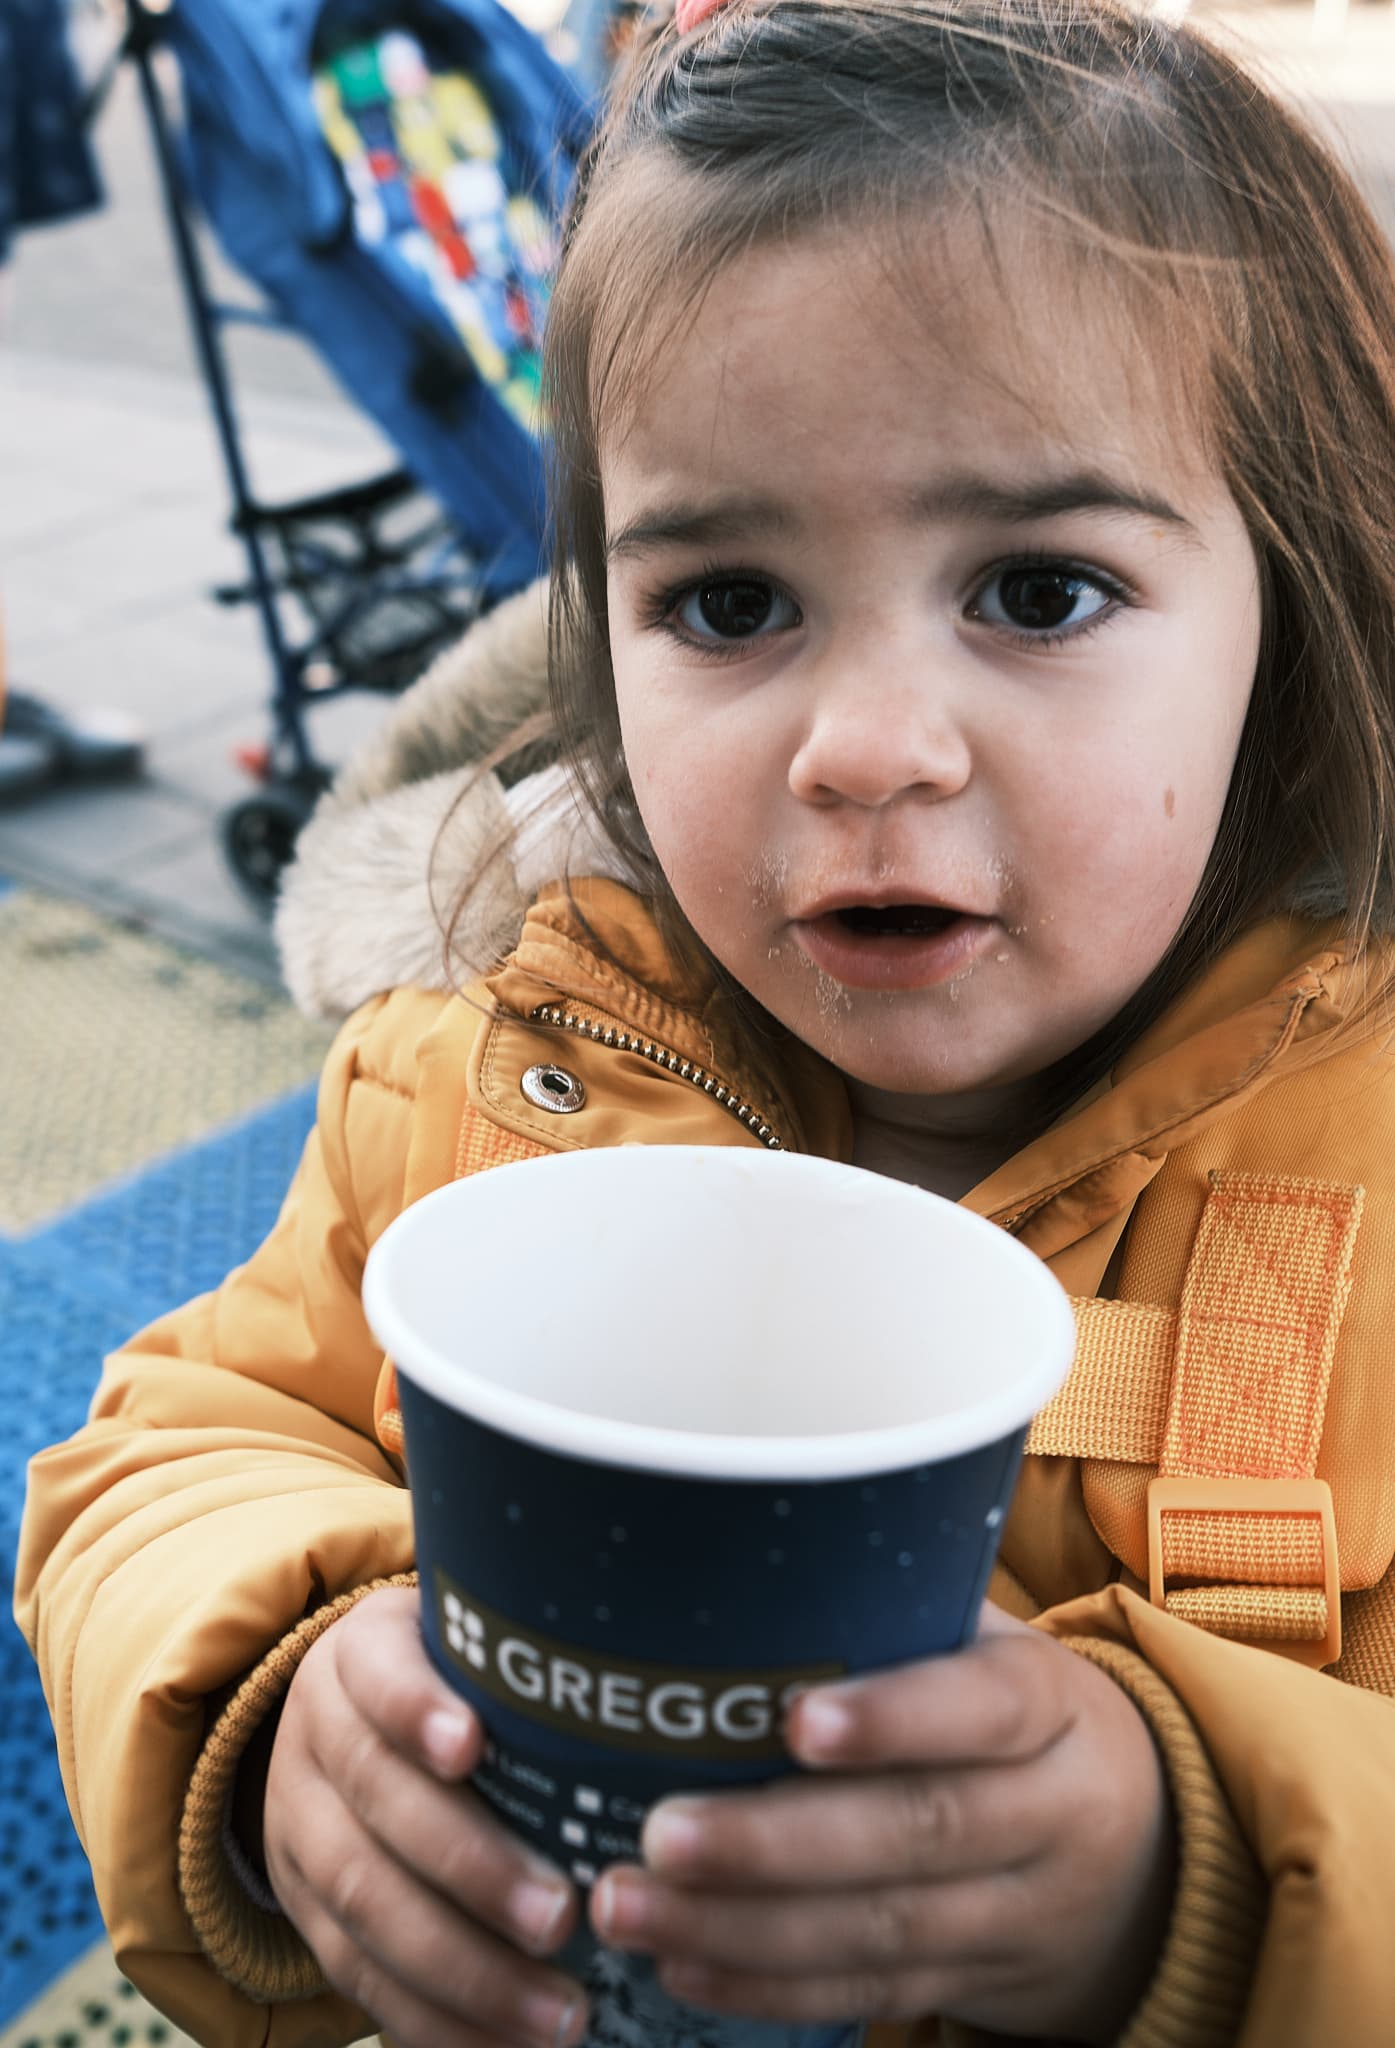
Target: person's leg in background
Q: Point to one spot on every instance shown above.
(40, 748)
(24, 764)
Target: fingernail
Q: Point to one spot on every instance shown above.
(552, 2020)
(620, 1909)
(445, 1737)
(823, 1725)
(536, 1911)
(673, 1833)
(571, 2028)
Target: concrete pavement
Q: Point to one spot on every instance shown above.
(111, 538)
(113, 534)
(113, 507)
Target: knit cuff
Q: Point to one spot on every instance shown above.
(257, 1950)
(1200, 1988)
(252, 1880)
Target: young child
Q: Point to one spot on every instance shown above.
(973, 638)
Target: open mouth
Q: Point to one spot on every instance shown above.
(896, 920)
(892, 946)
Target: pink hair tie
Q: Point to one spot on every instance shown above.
(689, 13)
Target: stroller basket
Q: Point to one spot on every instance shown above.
(374, 570)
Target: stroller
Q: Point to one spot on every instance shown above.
(388, 173)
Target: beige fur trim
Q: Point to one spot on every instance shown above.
(367, 900)
(366, 905)
(414, 841)
(472, 697)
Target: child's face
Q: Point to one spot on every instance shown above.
(931, 658)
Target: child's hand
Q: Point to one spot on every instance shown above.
(996, 1846)
(395, 1872)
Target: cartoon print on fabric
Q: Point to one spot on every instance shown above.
(427, 171)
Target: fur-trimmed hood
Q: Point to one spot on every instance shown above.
(383, 863)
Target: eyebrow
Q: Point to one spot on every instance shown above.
(684, 526)
(976, 497)
(954, 497)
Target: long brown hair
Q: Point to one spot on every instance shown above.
(1184, 189)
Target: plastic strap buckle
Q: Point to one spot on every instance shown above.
(1312, 1497)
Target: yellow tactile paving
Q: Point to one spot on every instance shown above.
(92, 2006)
(115, 1048)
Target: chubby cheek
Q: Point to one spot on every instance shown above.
(1138, 852)
(686, 836)
(692, 811)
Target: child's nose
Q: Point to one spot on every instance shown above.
(873, 734)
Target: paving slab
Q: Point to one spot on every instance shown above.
(109, 569)
(206, 909)
(143, 563)
(120, 1049)
(174, 669)
(184, 892)
(96, 830)
(91, 2005)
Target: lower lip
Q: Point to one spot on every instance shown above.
(903, 961)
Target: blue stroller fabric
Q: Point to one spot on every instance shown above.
(275, 194)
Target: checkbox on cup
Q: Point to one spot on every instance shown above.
(574, 1833)
(588, 1799)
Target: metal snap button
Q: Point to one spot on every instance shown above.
(553, 1088)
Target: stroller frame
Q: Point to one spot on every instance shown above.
(333, 552)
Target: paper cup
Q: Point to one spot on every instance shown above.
(687, 1429)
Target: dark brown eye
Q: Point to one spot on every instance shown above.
(1043, 597)
(735, 609)
(1040, 599)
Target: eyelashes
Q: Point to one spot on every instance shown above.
(1033, 599)
(1036, 583)
(742, 600)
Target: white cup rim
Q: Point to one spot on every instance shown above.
(844, 1454)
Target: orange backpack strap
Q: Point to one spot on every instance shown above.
(1225, 1396)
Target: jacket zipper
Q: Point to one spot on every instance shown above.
(671, 1062)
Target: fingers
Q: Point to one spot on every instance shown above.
(882, 1930)
(451, 1841)
(814, 2001)
(996, 1621)
(444, 1834)
(994, 1888)
(383, 1667)
(813, 1835)
(407, 1957)
(410, 1892)
(997, 1700)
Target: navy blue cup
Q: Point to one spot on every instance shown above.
(689, 1429)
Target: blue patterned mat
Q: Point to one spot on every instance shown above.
(68, 1293)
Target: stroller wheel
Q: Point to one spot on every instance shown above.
(259, 836)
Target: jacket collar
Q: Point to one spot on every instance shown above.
(1263, 1009)
(595, 945)
(1267, 1005)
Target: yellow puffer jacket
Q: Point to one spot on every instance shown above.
(239, 1480)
